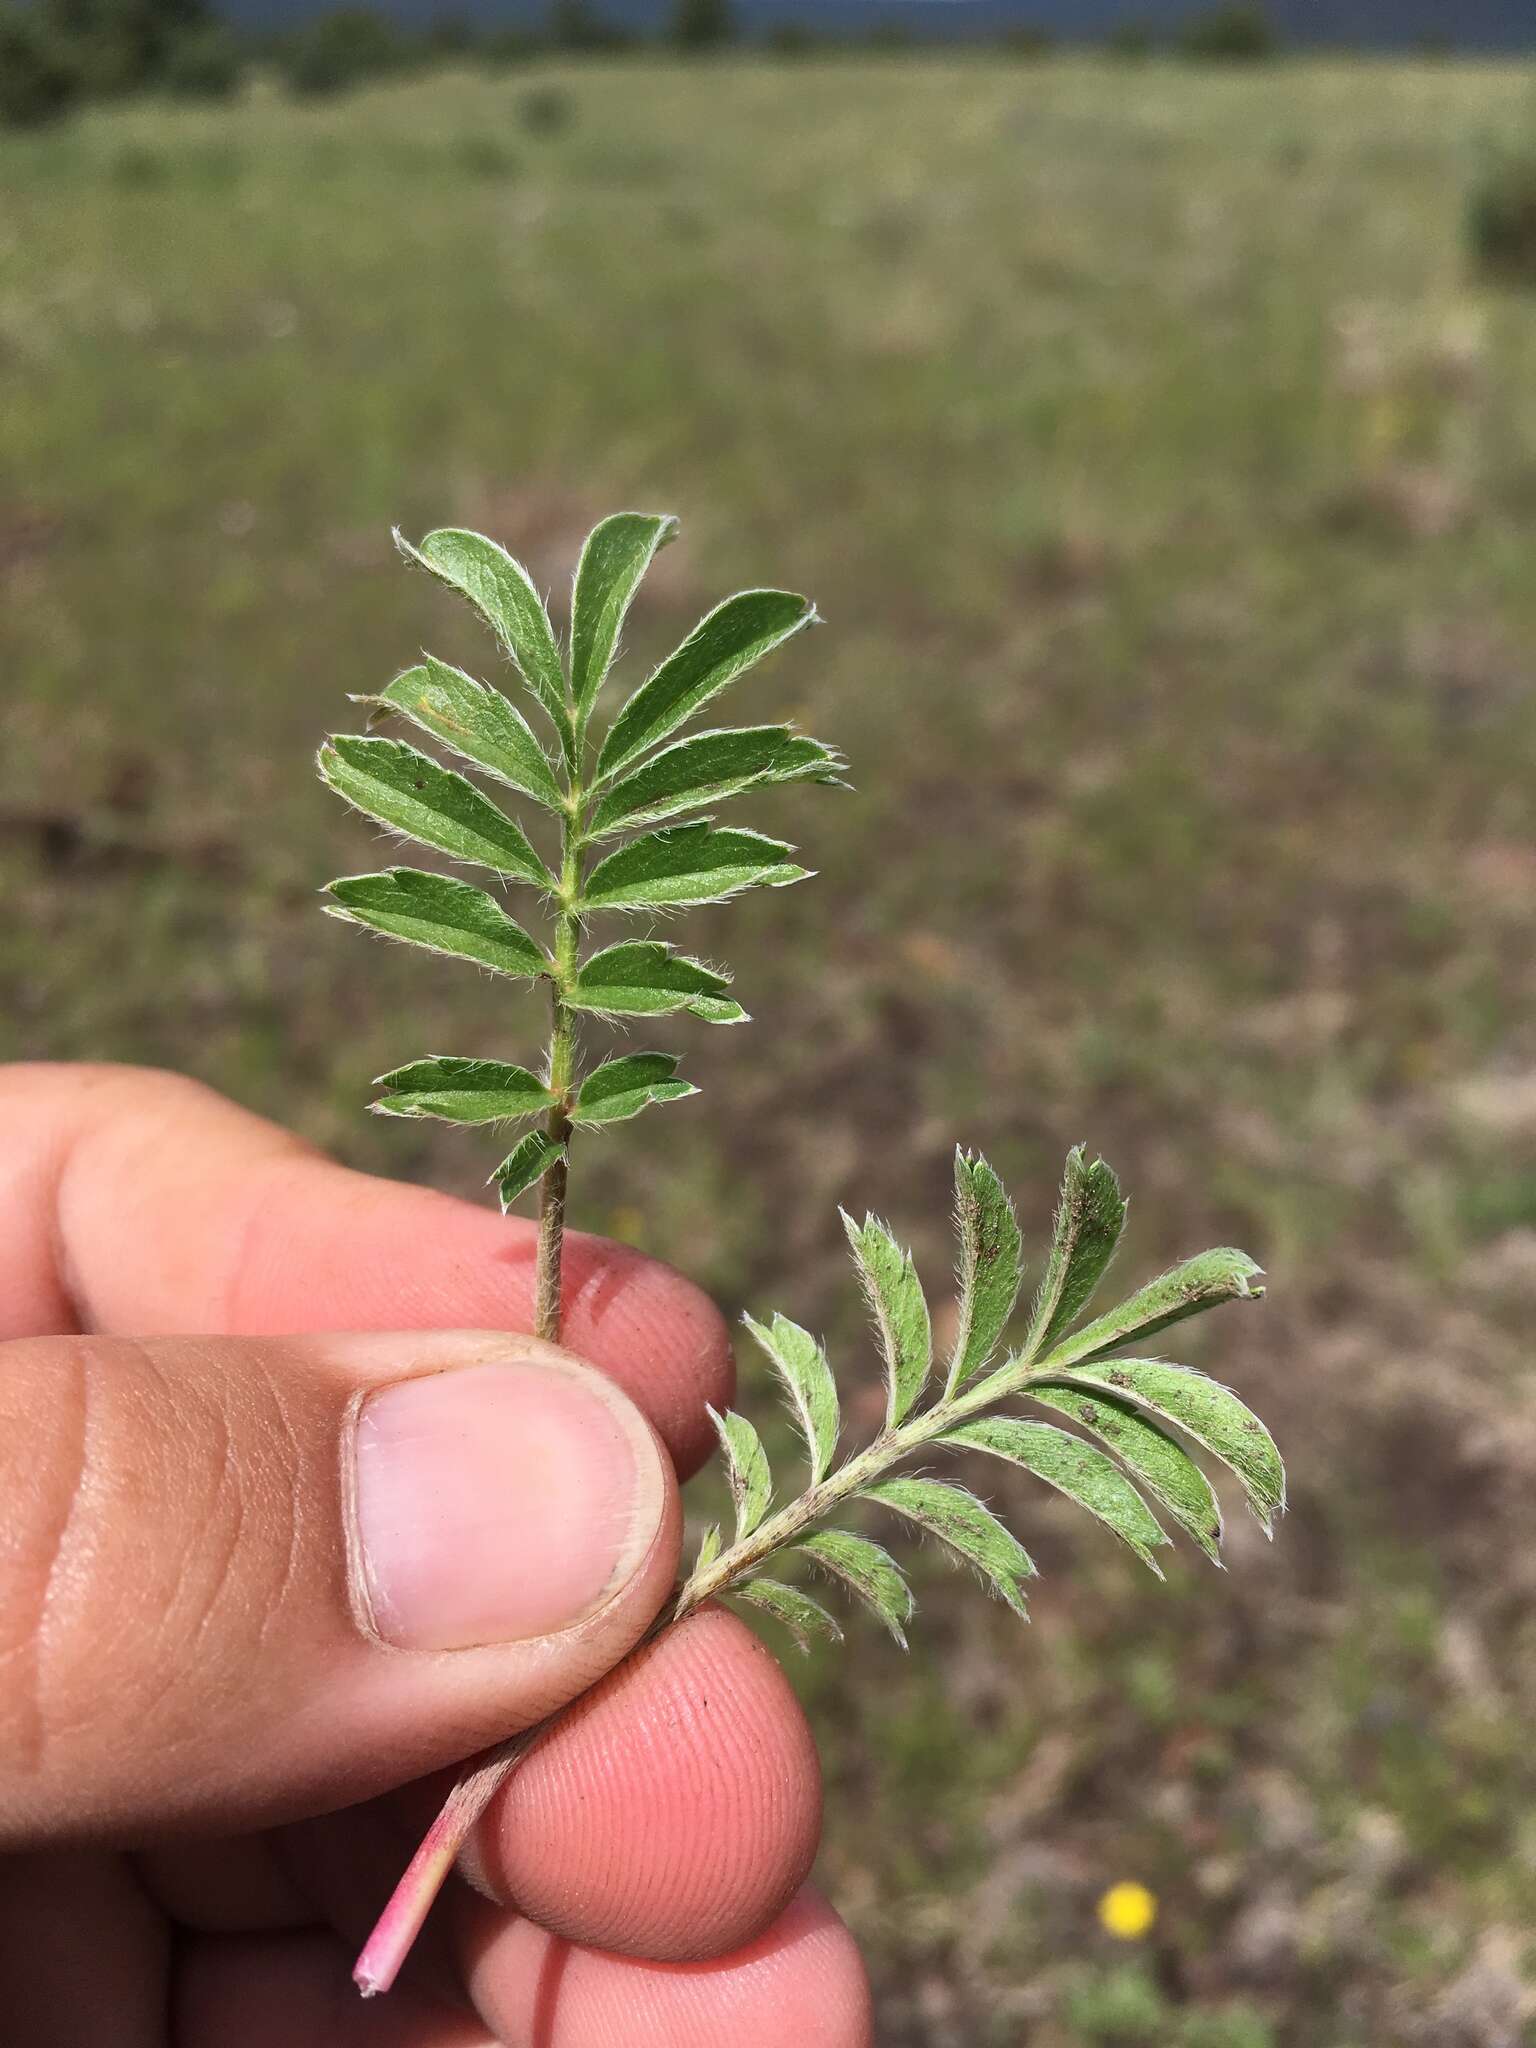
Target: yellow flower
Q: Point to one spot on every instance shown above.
(1127, 1911)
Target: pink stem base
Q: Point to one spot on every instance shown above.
(411, 1901)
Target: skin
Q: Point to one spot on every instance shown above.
(211, 1769)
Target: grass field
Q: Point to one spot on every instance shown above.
(1169, 485)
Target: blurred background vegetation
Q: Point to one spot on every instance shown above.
(1159, 439)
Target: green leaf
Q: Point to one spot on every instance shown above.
(645, 978)
(1164, 1468)
(746, 1467)
(1187, 1290)
(527, 1162)
(1205, 1410)
(868, 1572)
(800, 1614)
(895, 1297)
(734, 636)
(614, 558)
(502, 591)
(462, 1091)
(802, 1367)
(1073, 1468)
(440, 913)
(989, 1272)
(477, 722)
(1089, 1219)
(708, 768)
(399, 786)
(688, 864)
(623, 1087)
(709, 1548)
(973, 1531)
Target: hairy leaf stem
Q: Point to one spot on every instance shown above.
(562, 1063)
(796, 1519)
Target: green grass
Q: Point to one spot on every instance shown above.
(1168, 482)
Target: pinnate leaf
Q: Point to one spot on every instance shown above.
(527, 1162)
(688, 864)
(1073, 1468)
(732, 638)
(1164, 1468)
(1187, 1290)
(460, 1091)
(1089, 1219)
(868, 1572)
(440, 913)
(614, 558)
(746, 1468)
(801, 1365)
(800, 1614)
(895, 1297)
(708, 768)
(623, 1087)
(399, 786)
(709, 1548)
(1205, 1410)
(477, 722)
(646, 978)
(502, 591)
(959, 1519)
(989, 1272)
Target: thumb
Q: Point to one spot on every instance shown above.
(246, 1579)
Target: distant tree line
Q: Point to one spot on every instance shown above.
(57, 53)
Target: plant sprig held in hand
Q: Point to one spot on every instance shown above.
(630, 787)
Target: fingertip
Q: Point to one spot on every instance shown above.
(675, 1809)
(800, 1981)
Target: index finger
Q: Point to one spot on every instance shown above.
(135, 1203)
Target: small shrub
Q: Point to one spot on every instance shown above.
(39, 80)
(205, 65)
(1501, 221)
(338, 51)
(124, 46)
(546, 110)
(702, 24)
(1239, 34)
(574, 25)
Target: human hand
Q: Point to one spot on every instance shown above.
(259, 1591)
